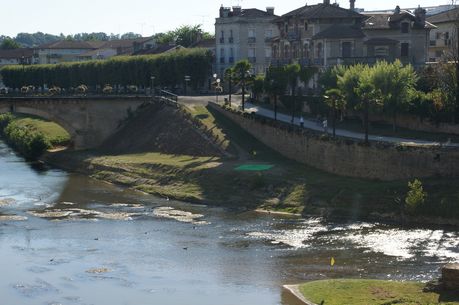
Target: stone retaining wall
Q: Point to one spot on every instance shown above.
(350, 158)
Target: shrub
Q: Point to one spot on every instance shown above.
(26, 140)
(416, 195)
(5, 119)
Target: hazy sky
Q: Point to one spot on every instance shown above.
(144, 16)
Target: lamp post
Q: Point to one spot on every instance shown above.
(217, 87)
(152, 90)
(23, 69)
(187, 79)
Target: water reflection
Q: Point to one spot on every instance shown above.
(156, 251)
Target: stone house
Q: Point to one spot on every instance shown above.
(325, 34)
(444, 38)
(244, 34)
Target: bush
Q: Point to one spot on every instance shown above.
(26, 140)
(416, 195)
(5, 120)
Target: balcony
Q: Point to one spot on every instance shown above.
(231, 40)
(252, 40)
(252, 60)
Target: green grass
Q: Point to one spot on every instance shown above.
(373, 292)
(54, 133)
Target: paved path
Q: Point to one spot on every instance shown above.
(313, 125)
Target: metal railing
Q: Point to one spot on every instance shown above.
(167, 96)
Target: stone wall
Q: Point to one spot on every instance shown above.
(348, 157)
(88, 120)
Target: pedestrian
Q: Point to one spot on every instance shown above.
(325, 125)
(302, 122)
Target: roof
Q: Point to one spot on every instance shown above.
(321, 11)
(383, 21)
(448, 16)
(125, 43)
(205, 43)
(67, 44)
(16, 53)
(158, 49)
(254, 12)
(340, 31)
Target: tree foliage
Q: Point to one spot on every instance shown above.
(186, 35)
(416, 195)
(168, 69)
(8, 44)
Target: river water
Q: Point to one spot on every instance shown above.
(67, 239)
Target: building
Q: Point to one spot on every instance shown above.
(21, 56)
(244, 34)
(325, 34)
(444, 38)
(71, 51)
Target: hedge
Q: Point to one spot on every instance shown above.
(168, 69)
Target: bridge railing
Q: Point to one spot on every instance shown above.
(169, 96)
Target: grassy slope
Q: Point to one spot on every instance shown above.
(56, 135)
(365, 292)
(289, 186)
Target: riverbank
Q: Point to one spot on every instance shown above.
(259, 178)
(364, 292)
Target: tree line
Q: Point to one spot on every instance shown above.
(168, 70)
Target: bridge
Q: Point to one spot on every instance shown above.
(88, 120)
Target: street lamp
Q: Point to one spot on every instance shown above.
(152, 90)
(217, 86)
(187, 79)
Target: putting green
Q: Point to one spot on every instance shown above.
(254, 167)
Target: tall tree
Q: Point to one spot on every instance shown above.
(275, 84)
(335, 100)
(395, 85)
(292, 72)
(243, 77)
(229, 77)
(9, 43)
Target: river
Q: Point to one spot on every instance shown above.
(67, 239)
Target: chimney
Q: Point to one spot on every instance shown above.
(352, 5)
(420, 15)
(397, 10)
(327, 2)
(270, 10)
(221, 11)
(237, 10)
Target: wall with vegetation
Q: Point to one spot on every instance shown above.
(350, 158)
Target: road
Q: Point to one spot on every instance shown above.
(313, 125)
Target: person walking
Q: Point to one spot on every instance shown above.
(301, 122)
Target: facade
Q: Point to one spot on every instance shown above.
(444, 38)
(71, 51)
(325, 34)
(16, 57)
(244, 34)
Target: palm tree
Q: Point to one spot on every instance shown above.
(229, 77)
(292, 73)
(243, 77)
(275, 84)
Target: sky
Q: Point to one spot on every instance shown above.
(145, 17)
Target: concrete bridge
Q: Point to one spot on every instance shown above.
(88, 120)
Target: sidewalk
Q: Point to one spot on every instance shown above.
(313, 125)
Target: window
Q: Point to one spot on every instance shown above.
(286, 28)
(405, 27)
(346, 49)
(268, 52)
(405, 49)
(252, 33)
(268, 33)
(438, 53)
(305, 26)
(252, 56)
(222, 55)
(381, 51)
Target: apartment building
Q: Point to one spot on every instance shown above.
(444, 38)
(244, 34)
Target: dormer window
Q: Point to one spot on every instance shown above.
(405, 27)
